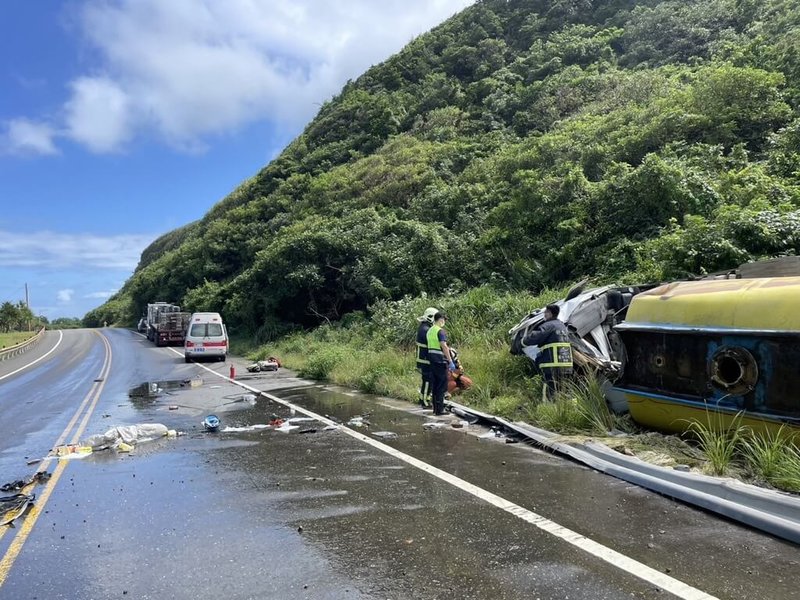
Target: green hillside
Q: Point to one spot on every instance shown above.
(521, 145)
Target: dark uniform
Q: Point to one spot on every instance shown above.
(424, 365)
(555, 356)
(436, 336)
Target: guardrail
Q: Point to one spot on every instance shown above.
(22, 346)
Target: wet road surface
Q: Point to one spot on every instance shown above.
(273, 514)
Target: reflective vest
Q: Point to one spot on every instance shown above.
(422, 345)
(435, 354)
(560, 355)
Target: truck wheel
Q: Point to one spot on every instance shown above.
(186, 359)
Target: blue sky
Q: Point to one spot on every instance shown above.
(121, 120)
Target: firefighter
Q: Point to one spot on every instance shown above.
(440, 361)
(423, 364)
(555, 352)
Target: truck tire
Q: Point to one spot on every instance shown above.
(186, 358)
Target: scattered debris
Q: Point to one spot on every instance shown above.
(173, 407)
(123, 447)
(512, 441)
(286, 427)
(14, 486)
(330, 428)
(13, 507)
(459, 424)
(386, 435)
(307, 431)
(71, 451)
(35, 461)
(434, 425)
(359, 421)
(294, 420)
(246, 428)
(211, 423)
(129, 434)
(263, 366)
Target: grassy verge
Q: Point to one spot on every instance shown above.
(14, 337)
(374, 352)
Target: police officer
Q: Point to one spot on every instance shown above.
(440, 359)
(555, 352)
(423, 364)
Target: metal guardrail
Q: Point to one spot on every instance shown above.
(18, 349)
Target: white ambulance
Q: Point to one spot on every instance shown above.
(206, 337)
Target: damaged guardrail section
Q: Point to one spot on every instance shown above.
(771, 511)
(22, 347)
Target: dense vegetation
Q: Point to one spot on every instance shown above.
(522, 144)
(18, 317)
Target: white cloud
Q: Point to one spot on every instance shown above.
(101, 295)
(24, 136)
(186, 70)
(47, 249)
(65, 296)
(98, 114)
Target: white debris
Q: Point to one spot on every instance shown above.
(246, 428)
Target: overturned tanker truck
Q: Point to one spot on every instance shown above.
(671, 354)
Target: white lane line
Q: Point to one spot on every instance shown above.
(60, 337)
(612, 557)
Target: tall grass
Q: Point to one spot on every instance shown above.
(773, 457)
(719, 442)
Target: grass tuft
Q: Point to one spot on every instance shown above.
(717, 441)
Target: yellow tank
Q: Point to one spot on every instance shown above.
(712, 350)
(761, 304)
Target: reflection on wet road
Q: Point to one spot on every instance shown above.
(260, 512)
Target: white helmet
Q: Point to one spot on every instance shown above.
(428, 314)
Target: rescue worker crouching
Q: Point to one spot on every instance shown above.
(441, 361)
(423, 364)
(555, 352)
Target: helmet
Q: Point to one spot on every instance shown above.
(211, 423)
(428, 314)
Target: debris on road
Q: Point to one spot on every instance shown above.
(434, 425)
(15, 486)
(246, 428)
(359, 421)
(386, 435)
(128, 434)
(312, 430)
(13, 507)
(211, 423)
(71, 451)
(264, 366)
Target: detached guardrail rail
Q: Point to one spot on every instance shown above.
(22, 346)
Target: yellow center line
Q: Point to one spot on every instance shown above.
(24, 531)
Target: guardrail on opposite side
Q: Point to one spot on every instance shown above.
(22, 346)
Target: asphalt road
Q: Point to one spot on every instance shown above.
(338, 513)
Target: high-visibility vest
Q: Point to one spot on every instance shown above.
(422, 351)
(561, 355)
(434, 346)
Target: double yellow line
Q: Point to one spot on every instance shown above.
(85, 409)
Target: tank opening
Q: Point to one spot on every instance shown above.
(659, 361)
(729, 370)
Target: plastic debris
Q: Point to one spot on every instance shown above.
(72, 451)
(211, 423)
(286, 427)
(301, 420)
(330, 428)
(359, 421)
(13, 507)
(129, 434)
(14, 486)
(312, 430)
(123, 447)
(245, 428)
(386, 435)
(434, 425)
